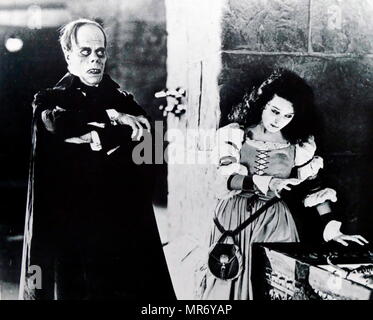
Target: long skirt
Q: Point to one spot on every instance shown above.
(274, 225)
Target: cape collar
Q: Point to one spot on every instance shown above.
(70, 81)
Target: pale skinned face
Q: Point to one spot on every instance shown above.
(277, 114)
(87, 57)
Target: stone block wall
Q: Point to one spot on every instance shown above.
(266, 25)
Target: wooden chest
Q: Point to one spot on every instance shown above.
(288, 271)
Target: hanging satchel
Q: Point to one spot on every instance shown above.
(224, 257)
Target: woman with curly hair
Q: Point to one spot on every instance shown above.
(269, 138)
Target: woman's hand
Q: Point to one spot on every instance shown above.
(343, 238)
(278, 184)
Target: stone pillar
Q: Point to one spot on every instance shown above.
(194, 63)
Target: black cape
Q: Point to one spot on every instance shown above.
(90, 224)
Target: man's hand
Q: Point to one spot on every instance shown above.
(85, 138)
(277, 185)
(343, 238)
(136, 123)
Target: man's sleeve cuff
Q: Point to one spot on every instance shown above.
(96, 142)
(112, 114)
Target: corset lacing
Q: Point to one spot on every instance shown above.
(261, 162)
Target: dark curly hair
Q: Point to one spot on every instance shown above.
(285, 84)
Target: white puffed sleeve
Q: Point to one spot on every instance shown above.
(226, 155)
(309, 166)
(319, 197)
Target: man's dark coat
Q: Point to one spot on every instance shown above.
(90, 224)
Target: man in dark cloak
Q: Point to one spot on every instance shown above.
(90, 229)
